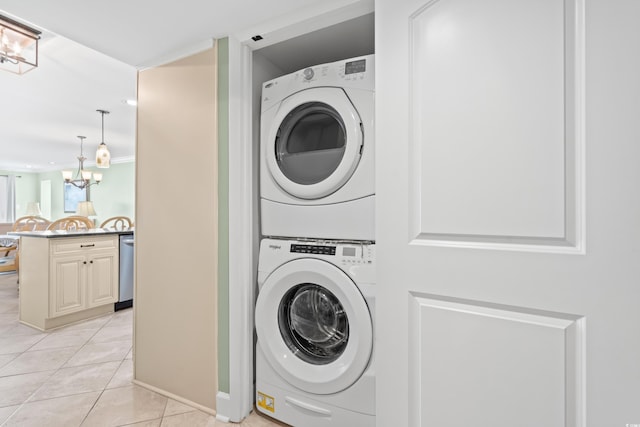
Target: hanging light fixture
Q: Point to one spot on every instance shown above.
(83, 177)
(103, 157)
(18, 46)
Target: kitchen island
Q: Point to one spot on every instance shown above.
(67, 276)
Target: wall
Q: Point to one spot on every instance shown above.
(115, 195)
(175, 323)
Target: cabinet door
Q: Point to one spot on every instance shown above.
(102, 278)
(67, 284)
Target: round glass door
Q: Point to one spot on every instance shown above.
(310, 143)
(314, 144)
(314, 326)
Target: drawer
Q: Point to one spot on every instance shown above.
(66, 245)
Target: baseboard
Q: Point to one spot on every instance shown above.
(176, 397)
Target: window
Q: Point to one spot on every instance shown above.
(7, 199)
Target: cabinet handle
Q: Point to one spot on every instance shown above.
(84, 262)
(91, 262)
(88, 246)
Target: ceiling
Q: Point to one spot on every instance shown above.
(89, 56)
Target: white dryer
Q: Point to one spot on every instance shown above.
(317, 152)
(314, 323)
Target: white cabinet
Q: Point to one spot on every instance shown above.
(84, 274)
(66, 279)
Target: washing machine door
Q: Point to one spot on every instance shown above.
(314, 326)
(315, 142)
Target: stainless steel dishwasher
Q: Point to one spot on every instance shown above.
(127, 246)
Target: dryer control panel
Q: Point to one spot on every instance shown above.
(354, 73)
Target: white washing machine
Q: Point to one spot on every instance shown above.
(317, 152)
(314, 323)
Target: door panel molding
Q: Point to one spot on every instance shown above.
(460, 350)
(525, 143)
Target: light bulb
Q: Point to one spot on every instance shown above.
(103, 157)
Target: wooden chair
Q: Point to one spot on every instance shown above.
(30, 223)
(25, 223)
(8, 263)
(117, 223)
(71, 223)
(7, 244)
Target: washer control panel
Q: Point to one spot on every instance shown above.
(344, 253)
(313, 249)
(356, 258)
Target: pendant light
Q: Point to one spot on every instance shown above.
(103, 157)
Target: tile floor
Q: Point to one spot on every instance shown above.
(80, 375)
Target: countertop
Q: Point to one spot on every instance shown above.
(64, 233)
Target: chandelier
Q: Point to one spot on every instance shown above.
(18, 46)
(83, 177)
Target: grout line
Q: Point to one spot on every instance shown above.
(164, 410)
(114, 374)
(92, 408)
(12, 414)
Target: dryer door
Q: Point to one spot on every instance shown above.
(315, 142)
(314, 326)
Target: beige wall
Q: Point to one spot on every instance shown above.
(175, 342)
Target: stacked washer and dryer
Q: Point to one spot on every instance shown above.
(316, 274)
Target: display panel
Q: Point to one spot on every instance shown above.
(348, 251)
(355, 66)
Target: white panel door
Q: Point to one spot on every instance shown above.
(508, 219)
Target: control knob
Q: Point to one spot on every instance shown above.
(308, 73)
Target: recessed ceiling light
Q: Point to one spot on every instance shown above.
(131, 102)
(52, 163)
(29, 167)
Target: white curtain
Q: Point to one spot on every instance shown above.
(7, 199)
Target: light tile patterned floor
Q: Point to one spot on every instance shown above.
(81, 375)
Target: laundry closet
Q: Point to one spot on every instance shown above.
(314, 144)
